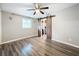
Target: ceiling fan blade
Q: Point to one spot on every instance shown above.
(34, 13)
(30, 9)
(36, 5)
(42, 12)
(44, 8)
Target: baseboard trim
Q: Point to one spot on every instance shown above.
(17, 39)
(66, 43)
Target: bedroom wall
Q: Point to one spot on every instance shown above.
(65, 26)
(0, 27)
(12, 29)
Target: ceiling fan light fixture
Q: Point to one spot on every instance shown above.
(37, 10)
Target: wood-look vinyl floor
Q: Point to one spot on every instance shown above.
(37, 47)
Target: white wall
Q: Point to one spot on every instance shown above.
(0, 27)
(12, 29)
(65, 26)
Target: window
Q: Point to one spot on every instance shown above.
(26, 23)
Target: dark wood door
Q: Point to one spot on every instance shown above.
(49, 27)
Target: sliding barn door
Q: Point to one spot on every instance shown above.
(49, 27)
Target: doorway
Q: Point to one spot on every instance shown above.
(45, 28)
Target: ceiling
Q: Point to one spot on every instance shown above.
(21, 8)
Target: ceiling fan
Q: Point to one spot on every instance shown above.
(38, 9)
